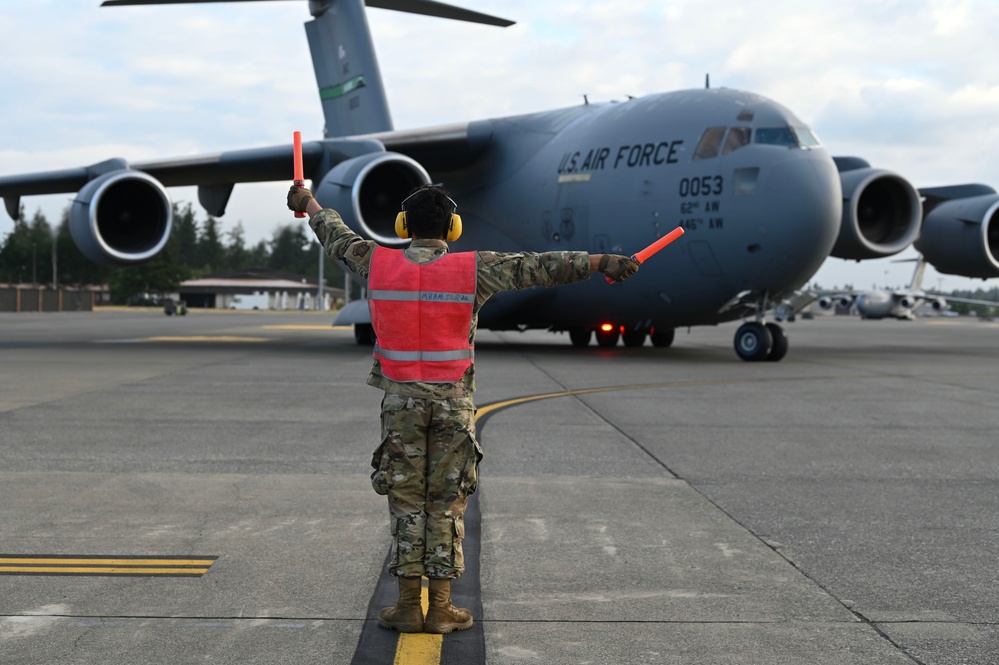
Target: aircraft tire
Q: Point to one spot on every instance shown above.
(662, 337)
(580, 336)
(780, 345)
(607, 339)
(753, 341)
(364, 334)
(634, 338)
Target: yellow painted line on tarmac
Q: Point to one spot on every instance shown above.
(94, 560)
(419, 648)
(99, 570)
(495, 406)
(77, 564)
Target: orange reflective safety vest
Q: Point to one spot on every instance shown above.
(422, 315)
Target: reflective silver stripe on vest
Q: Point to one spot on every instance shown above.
(424, 296)
(427, 356)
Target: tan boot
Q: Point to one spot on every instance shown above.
(443, 617)
(407, 615)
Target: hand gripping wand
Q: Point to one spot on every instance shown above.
(299, 168)
(643, 255)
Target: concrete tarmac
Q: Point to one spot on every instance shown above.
(673, 506)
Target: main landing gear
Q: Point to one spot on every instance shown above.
(755, 340)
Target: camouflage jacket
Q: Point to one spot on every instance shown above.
(495, 272)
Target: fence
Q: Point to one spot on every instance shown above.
(37, 299)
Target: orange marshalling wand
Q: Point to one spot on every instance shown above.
(299, 168)
(643, 255)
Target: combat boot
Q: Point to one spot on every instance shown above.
(442, 616)
(407, 615)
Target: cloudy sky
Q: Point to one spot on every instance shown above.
(910, 85)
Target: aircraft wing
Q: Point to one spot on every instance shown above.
(254, 165)
(799, 300)
(444, 147)
(122, 213)
(969, 301)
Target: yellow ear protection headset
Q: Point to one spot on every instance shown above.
(453, 229)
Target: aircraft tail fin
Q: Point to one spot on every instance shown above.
(917, 274)
(343, 56)
(347, 73)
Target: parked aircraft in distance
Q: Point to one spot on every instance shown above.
(761, 200)
(896, 304)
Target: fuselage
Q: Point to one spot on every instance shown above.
(887, 304)
(758, 197)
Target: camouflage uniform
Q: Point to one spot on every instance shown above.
(427, 462)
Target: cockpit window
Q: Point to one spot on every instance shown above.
(738, 137)
(710, 143)
(792, 137)
(776, 136)
(805, 137)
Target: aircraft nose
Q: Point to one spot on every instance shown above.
(803, 203)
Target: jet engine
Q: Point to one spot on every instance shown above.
(939, 304)
(961, 237)
(839, 302)
(121, 218)
(906, 302)
(367, 191)
(881, 212)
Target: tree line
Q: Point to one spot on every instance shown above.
(36, 252)
(965, 308)
(195, 248)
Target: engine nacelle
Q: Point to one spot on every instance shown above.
(839, 302)
(906, 302)
(881, 214)
(961, 237)
(367, 191)
(939, 304)
(121, 218)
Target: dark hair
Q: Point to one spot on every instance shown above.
(428, 211)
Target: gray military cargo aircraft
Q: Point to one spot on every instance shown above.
(894, 303)
(762, 202)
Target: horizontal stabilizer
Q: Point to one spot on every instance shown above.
(438, 9)
(424, 7)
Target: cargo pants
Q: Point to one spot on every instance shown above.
(427, 465)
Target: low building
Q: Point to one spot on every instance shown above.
(257, 288)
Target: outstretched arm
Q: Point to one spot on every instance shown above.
(338, 241)
(615, 266)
